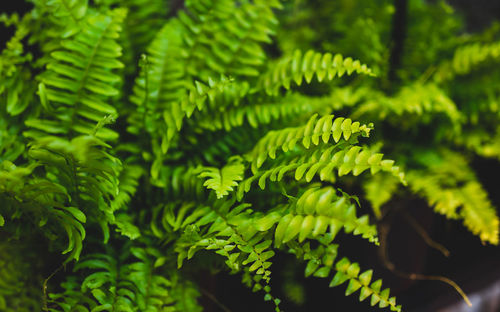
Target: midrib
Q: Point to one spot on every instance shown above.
(85, 74)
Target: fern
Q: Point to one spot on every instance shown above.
(145, 143)
(299, 66)
(223, 180)
(460, 195)
(80, 79)
(467, 58)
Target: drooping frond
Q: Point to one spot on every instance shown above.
(298, 66)
(42, 201)
(321, 262)
(466, 59)
(450, 186)
(16, 89)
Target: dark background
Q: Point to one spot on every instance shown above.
(476, 268)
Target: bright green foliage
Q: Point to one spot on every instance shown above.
(143, 141)
(223, 180)
(321, 211)
(460, 195)
(80, 80)
(466, 59)
(322, 261)
(298, 66)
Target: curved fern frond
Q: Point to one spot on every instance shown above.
(264, 112)
(466, 59)
(417, 101)
(298, 66)
(321, 261)
(325, 128)
(80, 79)
(321, 211)
(85, 171)
(325, 162)
(450, 186)
(45, 202)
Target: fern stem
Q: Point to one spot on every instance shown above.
(383, 233)
(45, 282)
(210, 296)
(425, 236)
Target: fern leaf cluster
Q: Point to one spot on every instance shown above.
(144, 142)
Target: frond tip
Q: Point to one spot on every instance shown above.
(299, 66)
(223, 180)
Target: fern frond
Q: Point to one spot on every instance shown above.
(325, 162)
(67, 15)
(182, 182)
(143, 16)
(325, 128)
(483, 143)
(450, 186)
(223, 180)
(298, 66)
(80, 78)
(229, 35)
(186, 295)
(265, 112)
(160, 83)
(16, 89)
(318, 210)
(417, 101)
(466, 59)
(128, 183)
(153, 288)
(322, 262)
(231, 233)
(45, 202)
(72, 298)
(108, 281)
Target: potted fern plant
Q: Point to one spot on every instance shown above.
(144, 143)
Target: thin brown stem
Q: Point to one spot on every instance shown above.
(425, 236)
(210, 296)
(384, 230)
(45, 282)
